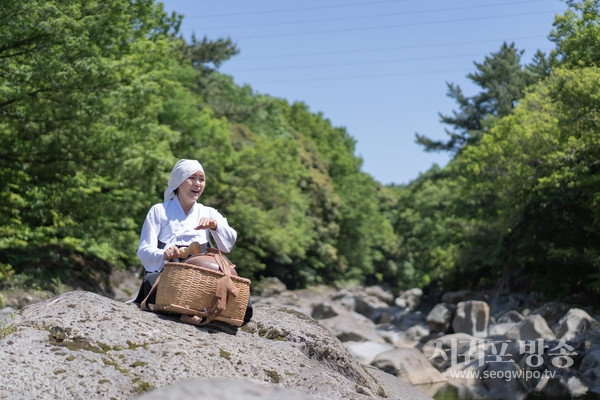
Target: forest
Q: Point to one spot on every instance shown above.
(99, 99)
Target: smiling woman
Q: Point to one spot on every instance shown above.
(178, 222)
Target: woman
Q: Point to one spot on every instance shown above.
(179, 221)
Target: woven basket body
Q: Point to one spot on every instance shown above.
(191, 290)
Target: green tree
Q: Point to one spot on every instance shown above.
(503, 81)
(430, 228)
(79, 96)
(539, 167)
(577, 35)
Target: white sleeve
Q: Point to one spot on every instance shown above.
(224, 236)
(150, 255)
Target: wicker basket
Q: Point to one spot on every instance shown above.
(192, 290)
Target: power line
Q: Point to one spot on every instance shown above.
(346, 64)
(345, 6)
(351, 77)
(374, 50)
(391, 26)
(354, 77)
(404, 13)
(297, 9)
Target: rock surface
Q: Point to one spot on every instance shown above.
(83, 345)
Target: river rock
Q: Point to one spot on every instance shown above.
(472, 317)
(223, 389)
(408, 364)
(573, 323)
(531, 328)
(409, 299)
(440, 317)
(83, 345)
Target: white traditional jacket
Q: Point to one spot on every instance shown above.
(167, 224)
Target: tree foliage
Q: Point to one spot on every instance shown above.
(540, 168)
(503, 80)
(524, 179)
(99, 99)
(80, 82)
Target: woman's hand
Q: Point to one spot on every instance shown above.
(171, 252)
(206, 223)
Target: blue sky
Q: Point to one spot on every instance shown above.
(377, 68)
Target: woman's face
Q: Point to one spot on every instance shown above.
(191, 189)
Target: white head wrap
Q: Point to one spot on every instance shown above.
(182, 170)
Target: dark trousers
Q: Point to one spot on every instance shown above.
(149, 280)
(147, 283)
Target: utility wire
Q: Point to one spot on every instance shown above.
(437, 22)
(297, 9)
(355, 77)
(374, 50)
(346, 64)
(362, 17)
(344, 6)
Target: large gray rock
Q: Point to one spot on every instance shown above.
(531, 328)
(409, 299)
(448, 350)
(223, 389)
(510, 316)
(590, 369)
(350, 326)
(472, 317)
(572, 323)
(365, 352)
(440, 317)
(82, 345)
(552, 312)
(408, 364)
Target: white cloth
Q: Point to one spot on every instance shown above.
(168, 223)
(182, 170)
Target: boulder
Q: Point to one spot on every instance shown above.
(552, 312)
(511, 316)
(350, 326)
(223, 389)
(589, 369)
(502, 384)
(408, 364)
(572, 323)
(440, 317)
(416, 333)
(448, 350)
(83, 345)
(472, 317)
(268, 287)
(325, 310)
(457, 296)
(409, 299)
(303, 300)
(370, 306)
(531, 328)
(407, 319)
(467, 377)
(499, 330)
(365, 352)
(380, 293)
